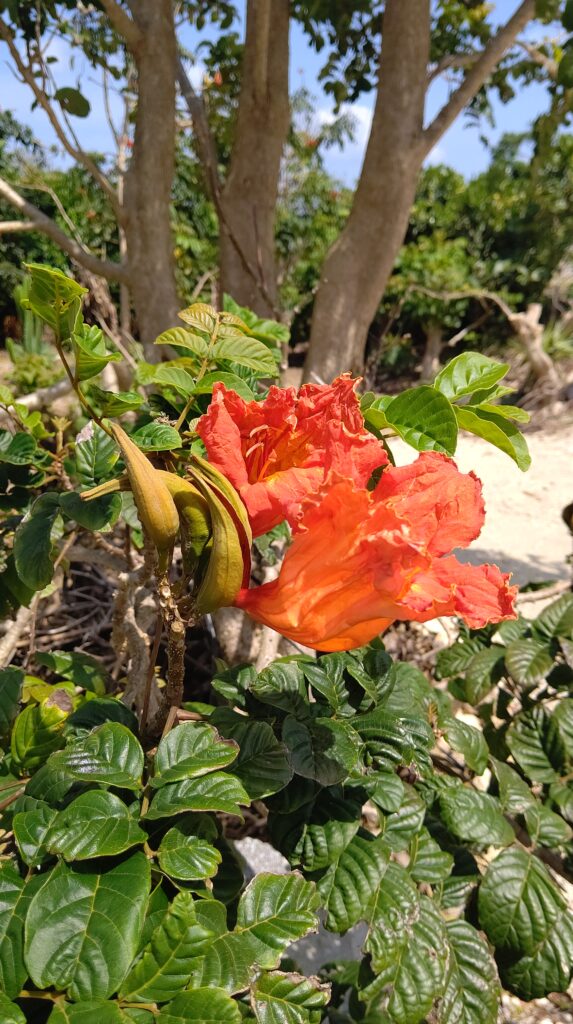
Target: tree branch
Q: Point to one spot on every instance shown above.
(205, 142)
(452, 61)
(75, 151)
(539, 58)
(123, 25)
(7, 226)
(478, 73)
(104, 268)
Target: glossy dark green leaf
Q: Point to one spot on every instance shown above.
(536, 745)
(186, 850)
(428, 862)
(95, 824)
(33, 549)
(96, 455)
(31, 831)
(156, 437)
(262, 764)
(528, 661)
(424, 419)
(11, 680)
(469, 741)
(280, 998)
(82, 928)
(557, 619)
(191, 750)
(350, 885)
(114, 403)
(90, 352)
(166, 963)
(475, 817)
(15, 896)
(110, 755)
(92, 515)
(92, 1011)
(201, 1006)
(324, 749)
(273, 911)
(215, 792)
(472, 991)
(18, 449)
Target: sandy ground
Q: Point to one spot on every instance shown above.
(524, 532)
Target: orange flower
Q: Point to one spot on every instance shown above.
(277, 452)
(360, 560)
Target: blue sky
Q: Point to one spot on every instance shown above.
(461, 147)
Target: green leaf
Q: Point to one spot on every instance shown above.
(273, 911)
(475, 817)
(322, 841)
(20, 449)
(472, 993)
(31, 832)
(455, 659)
(557, 619)
(322, 749)
(428, 863)
(409, 952)
(562, 721)
(545, 827)
(288, 998)
(166, 963)
(215, 792)
(95, 456)
(93, 1011)
(262, 764)
(484, 671)
(156, 437)
(535, 745)
(90, 352)
(95, 824)
(33, 554)
(177, 378)
(528, 661)
(114, 403)
(72, 101)
(187, 850)
(11, 680)
(469, 741)
(82, 928)
(245, 351)
(467, 373)
(93, 515)
(54, 297)
(549, 969)
(82, 669)
(15, 896)
(399, 827)
(514, 794)
(38, 731)
(9, 1012)
(519, 904)
(424, 419)
(202, 1006)
(350, 885)
(498, 431)
(181, 338)
(110, 754)
(191, 750)
(201, 316)
(99, 710)
(392, 740)
(231, 381)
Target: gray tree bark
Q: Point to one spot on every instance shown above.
(359, 264)
(249, 196)
(150, 175)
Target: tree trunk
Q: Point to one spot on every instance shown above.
(432, 352)
(150, 175)
(360, 262)
(248, 200)
(530, 333)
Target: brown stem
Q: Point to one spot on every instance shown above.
(151, 669)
